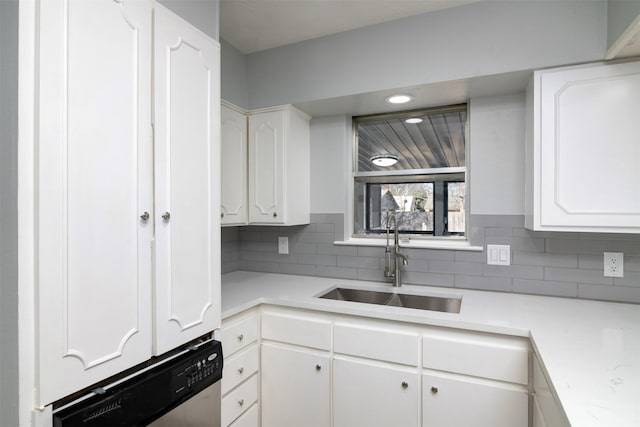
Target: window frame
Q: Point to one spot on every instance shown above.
(409, 175)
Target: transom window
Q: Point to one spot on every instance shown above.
(412, 165)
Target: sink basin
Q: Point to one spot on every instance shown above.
(421, 302)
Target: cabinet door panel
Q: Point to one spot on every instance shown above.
(373, 395)
(294, 391)
(233, 202)
(589, 149)
(187, 205)
(469, 402)
(94, 182)
(266, 161)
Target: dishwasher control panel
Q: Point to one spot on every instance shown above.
(145, 397)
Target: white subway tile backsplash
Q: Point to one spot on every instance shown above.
(609, 293)
(543, 263)
(502, 284)
(337, 272)
(576, 275)
(541, 287)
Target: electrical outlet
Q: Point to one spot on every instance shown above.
(283, 245)
(614, 264)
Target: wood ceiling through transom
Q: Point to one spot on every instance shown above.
(436, 142)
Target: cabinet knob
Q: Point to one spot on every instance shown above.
(318, 367)
(434, 390)
(240, 337)
(241, 370)
(241, 402)
(221, 214)
(166, 216)
(405, 384)
(145, 216)
(275, 214)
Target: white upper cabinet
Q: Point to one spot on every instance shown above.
(233, 169)
(279, 177)
(187, 182)
(94, 194)
(94, 188)
(583, 149)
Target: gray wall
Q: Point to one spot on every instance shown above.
(620, 14)
(496, 158)
(233, 76)
(203, 14)
(8, 213)
(557, 264)
(330, 137)
(474, 40)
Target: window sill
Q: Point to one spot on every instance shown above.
(444, 244)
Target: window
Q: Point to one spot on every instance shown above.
(424, 187)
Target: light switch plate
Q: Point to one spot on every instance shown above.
(498, 254)
(283, 245)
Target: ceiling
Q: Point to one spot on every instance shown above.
(255, 25)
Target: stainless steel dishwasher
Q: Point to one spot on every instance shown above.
(180, 391)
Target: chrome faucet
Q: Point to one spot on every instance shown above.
(397, 281)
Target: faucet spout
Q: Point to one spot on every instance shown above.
(396, 275)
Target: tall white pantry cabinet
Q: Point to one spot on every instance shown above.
(119, 169)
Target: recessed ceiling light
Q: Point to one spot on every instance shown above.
(384, 160)
(399, 99)
(414, 120)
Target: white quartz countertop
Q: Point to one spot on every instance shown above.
(590, 349)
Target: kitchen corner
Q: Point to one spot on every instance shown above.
(590, 350)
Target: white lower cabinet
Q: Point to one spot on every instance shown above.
(546, 410)
(237, 401)
(458, 401)
(296, 387)
(296, 369)
(251, 418)
(374, 394)
(240, 378)
(330, 370)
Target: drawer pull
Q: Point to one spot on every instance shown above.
(240, 337)
(405, 384)
(241, 370)
(318, 367)
(241, 402)
(434, 390)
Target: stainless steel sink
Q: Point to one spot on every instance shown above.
(421, 302)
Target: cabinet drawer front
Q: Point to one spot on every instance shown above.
(471, 402)
(482, 355)
(297, 330)
(239, 400)
(251, 418)
(239, 367)
(239, 334)
(376, 343)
